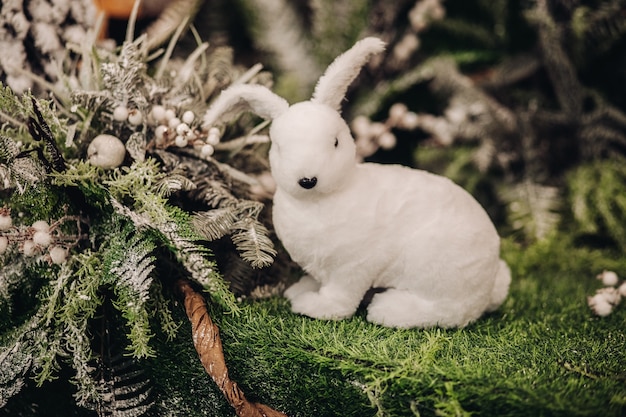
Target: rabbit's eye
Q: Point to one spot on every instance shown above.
(336, 142)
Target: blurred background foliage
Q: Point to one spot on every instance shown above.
(521, 102)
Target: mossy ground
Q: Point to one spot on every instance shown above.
(542, 354)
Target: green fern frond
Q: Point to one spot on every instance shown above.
(128, 268)
(178, 235)
(124, 390)
(598, 198)
(532, 208)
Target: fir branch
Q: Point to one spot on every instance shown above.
(68, 308)
(16, 361)
(160, 305)
(214, 224)
(194, 258)
(124, 77)
(251, 237)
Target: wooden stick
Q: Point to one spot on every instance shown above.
(208, 344)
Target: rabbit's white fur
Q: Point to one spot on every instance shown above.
(357, 226)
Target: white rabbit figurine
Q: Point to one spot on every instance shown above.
(353, 226)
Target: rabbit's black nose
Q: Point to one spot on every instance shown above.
(307, 183)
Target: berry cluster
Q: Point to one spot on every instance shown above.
(40, 238)
(607, 298)
(370, 136)
(182, 131)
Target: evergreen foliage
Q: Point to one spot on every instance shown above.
(598, 201)
(111, 241)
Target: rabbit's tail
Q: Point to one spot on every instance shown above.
(500, 287)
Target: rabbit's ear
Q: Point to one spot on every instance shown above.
(245, 97)
(333, 85)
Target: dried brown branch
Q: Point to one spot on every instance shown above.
(208, 344)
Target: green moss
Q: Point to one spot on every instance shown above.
(543, 353)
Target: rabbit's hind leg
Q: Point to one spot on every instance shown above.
(406, 309)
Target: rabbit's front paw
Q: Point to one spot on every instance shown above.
(306, 284)
(315, 305)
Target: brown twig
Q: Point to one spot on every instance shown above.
(208, 344)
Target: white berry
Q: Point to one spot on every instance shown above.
(213, 137)
(360, 125)
(608, 278)
(387, 140)
(4, 244)
(58, 254)
(181, 141)
(158, 113)
(173, 122)
(410, 121)
(169, 115)
(188, 117)
(5, 222)
(29, 248)
(397, 112)
(182, 129)
(41, 226)
(120, 113)
(599, 305)
(135, 117)
(42, 239)
(207, 150)
(106, 151)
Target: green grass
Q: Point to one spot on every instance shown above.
(542, 354)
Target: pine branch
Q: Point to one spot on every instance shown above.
(250, 238)
(208, 344)
(214, 224)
